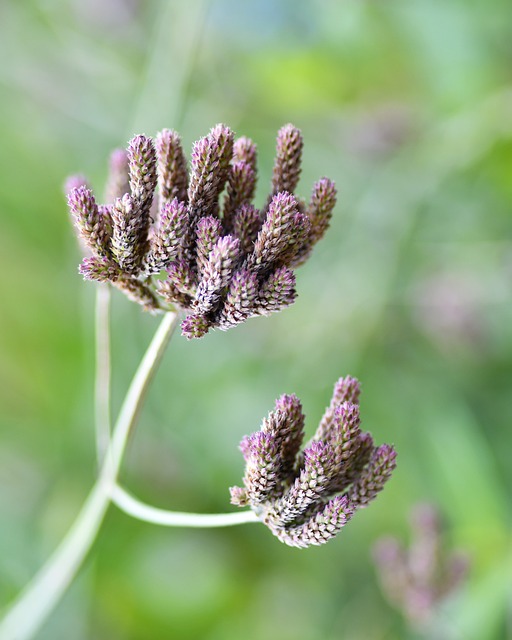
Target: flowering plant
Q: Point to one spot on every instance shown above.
(165, 239)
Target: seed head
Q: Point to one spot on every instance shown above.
(223, 266)
(298, 494)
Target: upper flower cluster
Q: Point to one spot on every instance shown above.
(224, 261)
(306, 497)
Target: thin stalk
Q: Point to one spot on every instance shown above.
(137, 392)
(40, 596)
(137, 509)
(102, 419)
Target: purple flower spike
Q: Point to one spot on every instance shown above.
(240, 190)
(194, 326)
(321, 205)
(172, 167)
(308, 488)
(224, 265)
(277, 292)
(94, 228)
(291, 407)
(210, 163)
(142, 166)
(319, 212)
(320, 528)
(262, 468)
(130, 235)
(375, 475)
(244, 150)
(166, 242)
(240, 299)
(345, 390)
(276, 234)
(246, 225)
(304, 504)
(208, 230)
(99, 268)
(217, 273)
(182, 277)
(287, 165)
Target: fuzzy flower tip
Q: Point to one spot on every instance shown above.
(223, 259)
(306, 497)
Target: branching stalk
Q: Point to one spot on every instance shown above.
(41, 595)
(102, 417)
(137, 509)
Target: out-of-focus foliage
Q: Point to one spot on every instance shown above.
(407, 105)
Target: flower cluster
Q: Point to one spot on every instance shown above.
(224, 260)
(306, 497)
(416, 580)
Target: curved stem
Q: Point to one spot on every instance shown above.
(102, 419)
(137, 392)
(38, 599)
(147, 513)
(41, 595)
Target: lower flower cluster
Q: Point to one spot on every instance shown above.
(306, 497)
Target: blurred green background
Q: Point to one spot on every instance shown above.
(407, 105)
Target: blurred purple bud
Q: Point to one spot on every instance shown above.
(244, 150)
(240, 191)
(75, 182)
(246, 225)
(118, 177)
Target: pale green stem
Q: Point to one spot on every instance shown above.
(137, 392)
(137, 509)
(103, 368)
(40, 596)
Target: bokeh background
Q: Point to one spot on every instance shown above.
(407, 105)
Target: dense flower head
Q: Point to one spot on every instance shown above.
(224, 260)
(306, 497)
(418, 578)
